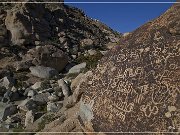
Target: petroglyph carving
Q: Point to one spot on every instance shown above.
(149, 110)
(137, 87)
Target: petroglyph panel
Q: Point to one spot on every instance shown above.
(136, 88)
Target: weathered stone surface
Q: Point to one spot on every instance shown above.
(7, 82)
(135, 88)
(26, 23)
(29, 118)
(23, 65)
(48, 56)
(27, 105)
(9, 110)
(65, 89)
(37, 85)
(10, 96)
(54, 107)
(41, 98)
(77, 68)
(53, 98)
(31, 93)
(75, 82)
(43, 72)
(87, 42)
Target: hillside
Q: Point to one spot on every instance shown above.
(43, 48)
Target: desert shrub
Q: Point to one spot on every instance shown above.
(91, 60)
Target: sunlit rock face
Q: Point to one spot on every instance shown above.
(136, 86)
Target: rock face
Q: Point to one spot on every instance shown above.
(48, 56)
(27, 23)
(135, 88)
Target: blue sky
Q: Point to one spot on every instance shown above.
(123, 17)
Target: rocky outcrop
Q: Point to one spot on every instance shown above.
(27, 23)
(48, 56)
(135, 87)
(42, 48)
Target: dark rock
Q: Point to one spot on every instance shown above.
(11, 96)
(9, 110)
(41, 98)
(26, 30)
(27, 105)
(135, 86)
(48, 56)
(4, 72)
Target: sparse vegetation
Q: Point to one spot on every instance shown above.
(46, 119)
(91, 60)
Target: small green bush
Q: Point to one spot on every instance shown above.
(91, 60)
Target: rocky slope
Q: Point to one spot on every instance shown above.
(45, 85)
(135, 87)
(43, 47)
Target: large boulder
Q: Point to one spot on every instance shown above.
(27, 24)
(135, 88)
(48, 56)
(43, 72)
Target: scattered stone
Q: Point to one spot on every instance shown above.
(53, 98)
(41, 98)
(26, 91)
(9, 110)
(27, 105)
(64, 87)
(13, 119)
(14, 89)
(51, 107)
(7, 82)
(4, 72)
(48, 56)
(43, 72)
(103, 52)
(31, 93)
(87, 42)
(76, 81)
(50, 90)
(29, 118)
(23, 65)
(77, 68)
(60, 94)
(2, 91)
(10, 96)
(92, 52)
(37, 85)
